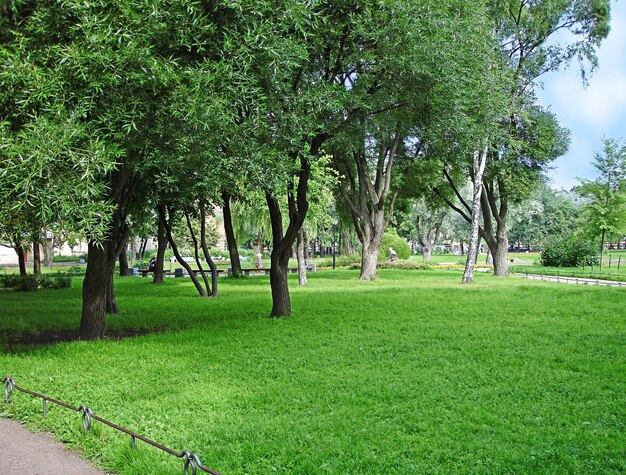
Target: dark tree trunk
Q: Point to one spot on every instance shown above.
(142, 248)
(205, 250)
(111, 304)
(124, 269)
(95, 292)
(21, 258)
(179, 258)
(196, 253)
(98, 288)
(36, 258)
(281, 300)
(159, 272)
(235, 262)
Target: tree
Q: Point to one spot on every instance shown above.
(529, 137)
(604, 215)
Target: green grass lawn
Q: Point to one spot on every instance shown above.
(413, 373)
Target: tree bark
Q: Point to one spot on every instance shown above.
(95, 293)
(258, 251)
(472, 252)
(205, 250)
(369, 262)
(279, 260)
(231, 242)
(21, 258)
(301, 256)
(123, 260)
(368, 200)
(36, 258)
(602, 238)
(159, 273)
(48, 252)
(179, 258)
(427, 253)
(196, 253)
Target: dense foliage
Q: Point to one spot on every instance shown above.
(571, 251)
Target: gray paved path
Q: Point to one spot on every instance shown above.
(571, 280)
(22, 451)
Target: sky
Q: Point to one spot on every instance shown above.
(592, 113)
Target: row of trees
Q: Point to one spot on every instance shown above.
(114, 112)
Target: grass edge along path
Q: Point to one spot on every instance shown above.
(413, 373)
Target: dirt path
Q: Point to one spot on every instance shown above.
(22, 451)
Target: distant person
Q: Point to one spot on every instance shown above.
(152, 265)
(393, 256)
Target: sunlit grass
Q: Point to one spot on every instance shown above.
(412, 373)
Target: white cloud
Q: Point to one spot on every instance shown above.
(599, 110)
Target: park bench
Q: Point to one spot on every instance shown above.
(266, 270)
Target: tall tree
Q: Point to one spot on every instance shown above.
(604, 215)
(530, 138)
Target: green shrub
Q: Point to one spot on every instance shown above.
(27, 283)
(60, 280)
(76, 270)
(404, 265)
(69, 258)
(340, 261)
(572, 251)
(398, 244)
(9, 281)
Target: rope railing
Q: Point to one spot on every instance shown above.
(192, 461)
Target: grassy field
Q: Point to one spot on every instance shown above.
(413, 373)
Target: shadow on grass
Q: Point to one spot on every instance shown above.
(23, 342)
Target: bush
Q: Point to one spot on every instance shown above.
(10, 281)
(60, 280)
(76, 270)
(69, 258)
(340, 261)
(27, 283)
(398, 244)
(405, 265)
(573, 251)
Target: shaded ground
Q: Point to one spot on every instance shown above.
(22, 451)
(14, 341)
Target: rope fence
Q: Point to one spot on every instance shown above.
(192, 461)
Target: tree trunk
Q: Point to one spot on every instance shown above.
(205, 250)
(123, 260)
(95, 292)
(427, 253)
(196, 253)
(602, 238)
(301, 256)
(231, 242)
(48, 252)
(111, 304)
(21, 258)
(256, 245)
(472, 252)
(159, 273)
(36, 258)
(500, 257)
(133, 251)
(281, 300)
(369, 262)
(179, 258)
